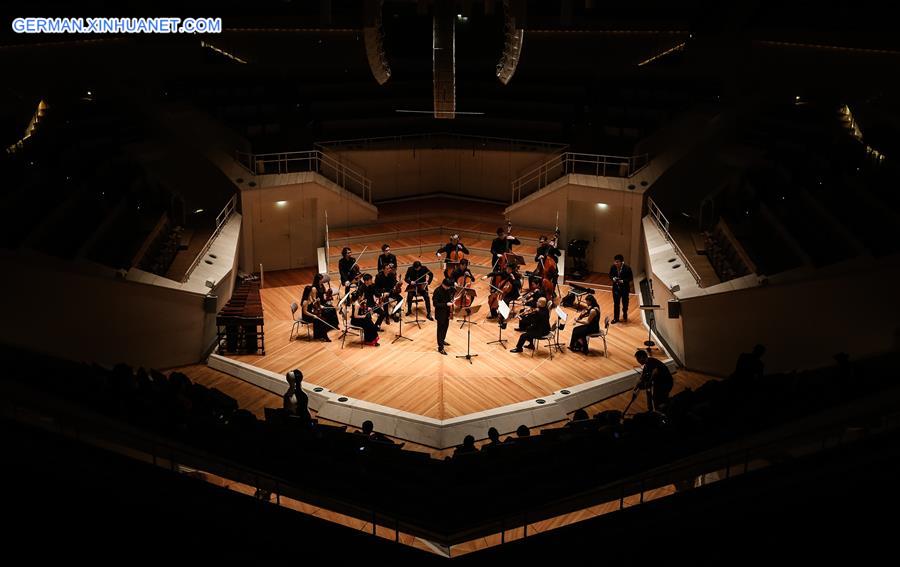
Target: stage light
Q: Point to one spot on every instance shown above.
(198, 211)
(280, 203)
(514, 39)
(602, 206)
(373, 37)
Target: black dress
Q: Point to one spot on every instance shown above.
(580, 332)
(370, 333)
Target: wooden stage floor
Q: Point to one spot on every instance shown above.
(412, 376)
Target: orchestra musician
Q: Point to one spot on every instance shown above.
(589, 327)
(387, 289)
(443, 304)
(366, 289)
(312, 313)
(621, 277)
(529, 301)
(538, 326)
(546, 248)
(510, 292)
(360, 316)
(502, 244)
(325, 293)
(453, 251)
(348, 267)
(386, 257)
(418, 277)
(462, 270)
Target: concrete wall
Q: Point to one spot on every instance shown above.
(483, 173)
(802, 324)
(284, 220)
(93, 317)
(613, 229)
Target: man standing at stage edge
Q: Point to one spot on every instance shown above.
(620, 275)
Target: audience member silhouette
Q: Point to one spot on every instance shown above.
(750, 365)
(467, 447)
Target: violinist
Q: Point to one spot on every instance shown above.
(529, 301)
(418, 277)
(507, 287)
(360, 316)
(590, 326)
(538, 326)
(312, 311)
(325, 294)
(453, 252)
(367, 290)
(387, 289)
(443, 304)
(502, 244)
(348, 267)
(386, 257)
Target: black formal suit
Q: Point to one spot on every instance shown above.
(441, 297)
(621, 286)
(538, 326)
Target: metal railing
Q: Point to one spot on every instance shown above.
(221, 218)
(663, 223)
(311, 160)
(402, 138)
(570, 162)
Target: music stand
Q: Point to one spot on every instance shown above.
(649, 342)
(469, 311)
(416, 321)
(560, 316)
(472, 293)
(503, 309)
(514, 259)
(400, 334)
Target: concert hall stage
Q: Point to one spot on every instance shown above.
(411, 391)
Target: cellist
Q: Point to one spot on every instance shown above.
(453, 252)
(506, 285)
(462, 270)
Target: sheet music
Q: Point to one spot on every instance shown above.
(503, 309)
(563, 316)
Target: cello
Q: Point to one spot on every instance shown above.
(454, 257)
(466, 295)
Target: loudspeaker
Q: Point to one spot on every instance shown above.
(674, 309)
(209, 303)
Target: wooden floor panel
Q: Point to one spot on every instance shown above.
(413, 376)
